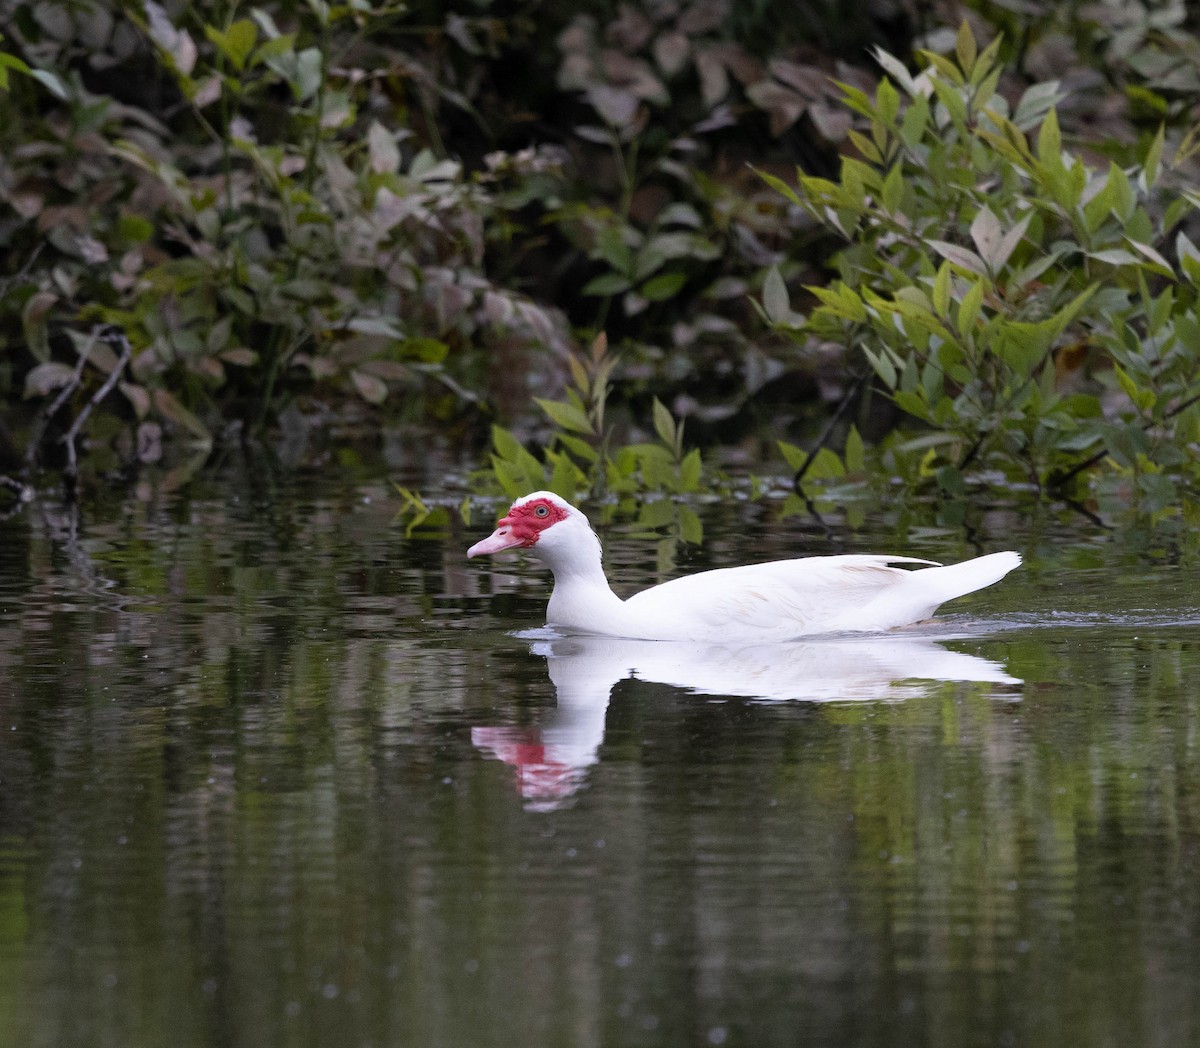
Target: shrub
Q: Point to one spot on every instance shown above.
(1035, 309)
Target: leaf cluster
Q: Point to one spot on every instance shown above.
(1035, 309)
(582, 455)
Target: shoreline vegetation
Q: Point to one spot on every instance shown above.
(602, 247)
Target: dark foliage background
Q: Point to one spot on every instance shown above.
(376, 214)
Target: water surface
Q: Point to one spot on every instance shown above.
(272, 772)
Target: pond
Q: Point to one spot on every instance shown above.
(273, 772)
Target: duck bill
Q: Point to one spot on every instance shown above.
(499, 540)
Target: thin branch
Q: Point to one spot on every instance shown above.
(113, 335)
(68, 390)
(827, 432)
(1060, 479)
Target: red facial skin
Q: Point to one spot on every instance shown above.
(530, 519)
(521, 528)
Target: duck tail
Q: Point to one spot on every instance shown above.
(954, 580)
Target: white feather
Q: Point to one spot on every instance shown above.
(775, 601)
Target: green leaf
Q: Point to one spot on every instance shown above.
(427, 350)
(969, 308)
(1153, 161)
(887, 101)
(565, 476)
(1114, 256)
(775, 297)
(607, 284)
(965, 48)
(883, 366)
(236, 42)
(840, 301)
(865, 146)
(1049, 142)
(914, 403)
(1142, 398)
(568, 416)
(952, 100)
(950, 480)
(10, 62)
(950, 73)
(893, 189)
(855, 454)
(983, 68)
(578, 447)
(916, 119)
(690, 528)
(663, 286)
(941, 290)
(780, 186)
(691, 469)
(664, 424)
(825, 466)
(794, 456)
(35, 323)
(507, 446)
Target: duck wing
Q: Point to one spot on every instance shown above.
(781, 599)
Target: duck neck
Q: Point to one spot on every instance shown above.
(582, 598)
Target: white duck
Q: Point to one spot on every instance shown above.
(756, 603)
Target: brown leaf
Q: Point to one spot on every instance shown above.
(810, 81)
(634, 75)
(373, 390)
(616, 107)
(33, 318)
(239, 355)
(102, 358)
(782, 104)
(137, 396)
(744, 66)
(46, 378)
(53, 217)
(629, 30)
(714, 81)
(210, 368)
(149, 442)
(832, 122)
(671, 52)
(703, 16)
(388, 370)
(27, 200)
(173, 411)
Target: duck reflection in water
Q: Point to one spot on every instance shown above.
(552, 758)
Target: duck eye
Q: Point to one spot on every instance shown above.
(541, 511)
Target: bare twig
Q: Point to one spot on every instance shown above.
(20, 275)
(827, 432)
(64, 394)
(22, 490)
(115, 336)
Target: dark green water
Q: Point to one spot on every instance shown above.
(272, 773)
